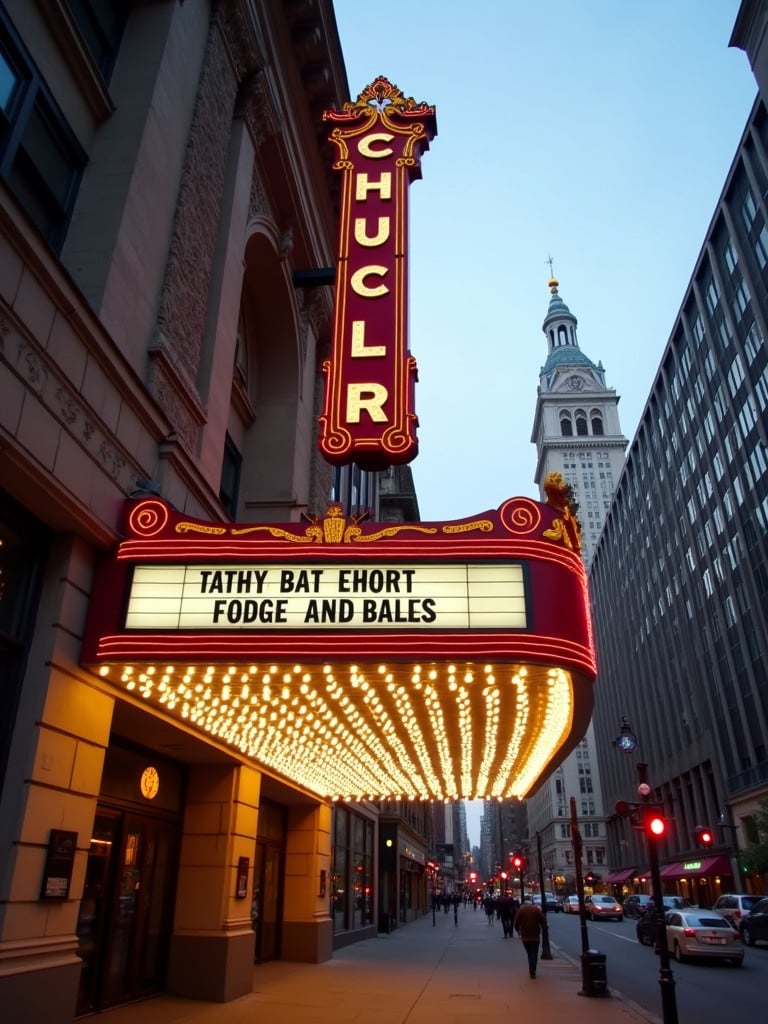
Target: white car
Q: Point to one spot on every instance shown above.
(702, 933)
(733, 906)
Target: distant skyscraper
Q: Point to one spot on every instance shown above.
(577, 433)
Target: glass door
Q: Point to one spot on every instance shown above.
(267, 906)
(126, 914)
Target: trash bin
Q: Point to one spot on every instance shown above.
(594, 979)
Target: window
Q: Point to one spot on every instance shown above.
(566, 427)
(730, 257)
(101, 24)
(597, 423)
(40, 159)
(231, 467)
(713, 296)
(735, 375)
(761, 247)
(740, 300)
(581, 423)
(748, 210)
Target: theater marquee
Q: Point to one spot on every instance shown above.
(360, 660)
(369, 415)
(452, 596)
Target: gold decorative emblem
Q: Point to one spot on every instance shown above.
(567, 529)
(215, 531)
(149, 783)
(484, 525)
(334, 528)
(384, 97)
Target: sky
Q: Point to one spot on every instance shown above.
(593, 132)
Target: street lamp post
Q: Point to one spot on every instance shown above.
(666, 978)
(432, 865)
(647, 816)
(546, 952)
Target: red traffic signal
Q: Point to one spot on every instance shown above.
(655, 825)
(518, 861)
(703, 836)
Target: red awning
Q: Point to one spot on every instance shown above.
(623, 875)
(708, 866)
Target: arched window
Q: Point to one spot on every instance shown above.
(562, 335)
(597, 422)
(566, 426)
(581, 423)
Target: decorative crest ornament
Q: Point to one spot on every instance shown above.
(566, 530)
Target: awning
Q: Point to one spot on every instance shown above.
(708, 866)
(619, 877)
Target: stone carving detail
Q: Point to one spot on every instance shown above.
(181, 318)
(239, 35)
(67, 407)
(31, 364)
(258, 205)
(166, 393)
(319, 307)
(260, 110)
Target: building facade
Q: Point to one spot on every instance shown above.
(577, 433)
(166, 196)
(679, 578)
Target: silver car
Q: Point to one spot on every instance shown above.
(702, 933)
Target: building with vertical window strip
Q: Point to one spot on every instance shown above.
(679, 578)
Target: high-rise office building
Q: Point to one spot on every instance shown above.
(679, 577)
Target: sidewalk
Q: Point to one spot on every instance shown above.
(418, 974)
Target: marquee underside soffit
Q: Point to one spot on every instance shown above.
(431, 731)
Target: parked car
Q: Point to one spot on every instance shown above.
(645, 929)
(702, 933)
(571, 905)
(733, 905)
(753, 927)
(635, 904)
(552, 903)
(603, 908)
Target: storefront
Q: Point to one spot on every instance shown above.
(700, 880)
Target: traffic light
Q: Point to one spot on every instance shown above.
(518, 861)
(703, 836)
(655, 825)
(633, 812)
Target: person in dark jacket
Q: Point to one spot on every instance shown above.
(507, 915)
(529, 921)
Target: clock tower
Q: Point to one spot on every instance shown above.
(576, 426)
(576, 432)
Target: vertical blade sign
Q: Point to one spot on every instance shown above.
(368, 416)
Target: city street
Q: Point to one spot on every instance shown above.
(705, 992)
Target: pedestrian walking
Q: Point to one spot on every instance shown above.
(529, 921)
(506, 915)
(488, 908)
